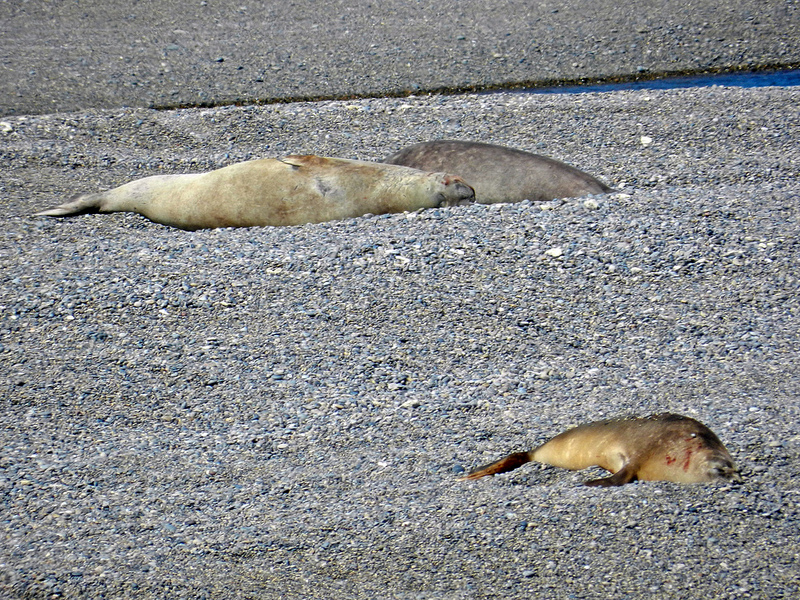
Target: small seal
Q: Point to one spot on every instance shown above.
(664, 447)
(290, 191)
(500, 174)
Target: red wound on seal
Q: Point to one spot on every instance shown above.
(688, 460)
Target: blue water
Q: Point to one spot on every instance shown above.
(746, 80)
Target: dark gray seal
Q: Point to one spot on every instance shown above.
(500, 174)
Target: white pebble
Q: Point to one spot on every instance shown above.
(555, 252)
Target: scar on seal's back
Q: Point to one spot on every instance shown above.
(663, 447)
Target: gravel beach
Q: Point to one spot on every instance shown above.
(274, 413)
(283, 412)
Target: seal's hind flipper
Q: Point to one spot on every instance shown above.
(625, 475)
(81, 204)
(509, 463)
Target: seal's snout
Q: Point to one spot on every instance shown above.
(723, 470)
(465, 193)
(457, 192)
(731, 474)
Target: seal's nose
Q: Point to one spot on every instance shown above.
(457, 192)
(462, 192)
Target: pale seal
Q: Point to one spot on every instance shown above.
(291, 191)
(500, 174)
(663, 447)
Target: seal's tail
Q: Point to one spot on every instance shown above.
(509, 463)
(82, 204)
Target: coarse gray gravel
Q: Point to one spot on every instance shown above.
(63, 56)
(283, 412)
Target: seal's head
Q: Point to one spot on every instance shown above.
(711, 460)
(456, 192)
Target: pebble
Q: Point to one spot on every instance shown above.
(555, 252)
(591, 204)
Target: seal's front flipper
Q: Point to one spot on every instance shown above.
(625, 475)
(82, 204)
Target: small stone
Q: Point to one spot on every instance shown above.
(591, 204)
(555, 252)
